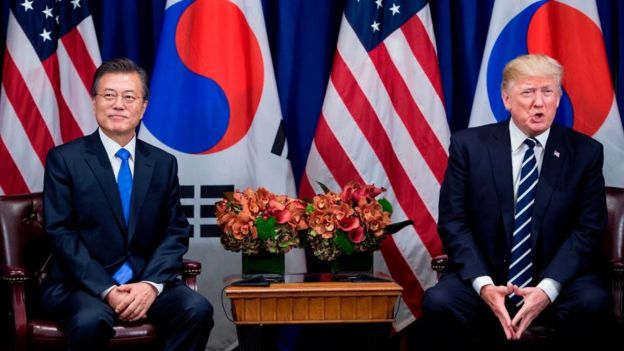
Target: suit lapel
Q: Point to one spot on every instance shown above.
(143, 169)
(500, 154)
(553, 161)
(100, 165)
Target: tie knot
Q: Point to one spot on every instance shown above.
(531, 142)
(123, 154)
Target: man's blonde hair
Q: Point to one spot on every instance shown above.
(532, 66)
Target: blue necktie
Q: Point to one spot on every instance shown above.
(521, 267)
(124, 182)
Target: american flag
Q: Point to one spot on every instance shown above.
(50, 56)
(383, 122)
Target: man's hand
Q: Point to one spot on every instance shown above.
(137, 299)
(494, 296)
(114, 297)
(535, 301)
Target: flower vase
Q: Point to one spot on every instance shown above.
(355, 262)
(263, 263)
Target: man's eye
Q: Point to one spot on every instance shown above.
(129, 98)
(109, 96)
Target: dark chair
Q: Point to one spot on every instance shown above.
(613, 249)
(24, 255)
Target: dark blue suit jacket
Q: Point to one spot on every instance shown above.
(85, 223)
(477, 205)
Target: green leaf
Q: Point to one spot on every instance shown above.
(395, 227)
(324, 187)
(343, 242)
(385, 205)
(266, 228)
(285, 243)
(309, 208)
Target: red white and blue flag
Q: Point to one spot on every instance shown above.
(50, 56)
(570, 32)
(383, 122)
(214, 105)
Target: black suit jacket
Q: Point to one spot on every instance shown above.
(86, 226)
(477, 204)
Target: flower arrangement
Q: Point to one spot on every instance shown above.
(349, 221)
(331, 224)
(255, 221)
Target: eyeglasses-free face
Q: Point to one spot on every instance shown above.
(532, 102)
(118, 118)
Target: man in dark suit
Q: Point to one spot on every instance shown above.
(522, 213)
(117, 230)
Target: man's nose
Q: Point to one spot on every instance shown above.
(539, 99)
(118, 102)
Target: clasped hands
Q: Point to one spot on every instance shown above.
(535, 301)
(131, 301)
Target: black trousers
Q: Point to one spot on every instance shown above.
(456, 318)
(181, 314)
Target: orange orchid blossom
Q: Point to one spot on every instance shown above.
(252, 221)
(352, 220)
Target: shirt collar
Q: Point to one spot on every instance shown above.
(112, 147)
(517, 136)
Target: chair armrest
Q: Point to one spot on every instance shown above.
(439, 263)
(13, 274)
(190, 270)
(617, 288)
(16, 278)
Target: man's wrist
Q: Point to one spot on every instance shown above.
(479, 282)
(105, 293)
(158, 288)
(550, 287)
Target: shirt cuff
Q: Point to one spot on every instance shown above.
(551, 287)
(105, 292)
(159, 287)
(479, 282)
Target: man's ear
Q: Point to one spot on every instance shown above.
(505, 98)
(144, 108)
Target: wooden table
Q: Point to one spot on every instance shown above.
(320, 302)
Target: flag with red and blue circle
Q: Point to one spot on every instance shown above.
(570, 32)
